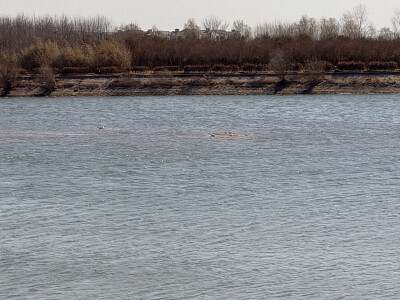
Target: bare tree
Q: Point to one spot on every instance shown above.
(242, 28)
(385, 34)
(356, 23)
(93, 28)
(371, 31)
(275, 29)
(329, 28)
(132, 27)
(280, 29)
(307, 26)
(214, 23)
(396, 23)
(261, 30)
(128, 31)
(192, 29)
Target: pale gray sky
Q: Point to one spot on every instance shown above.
(170, 14)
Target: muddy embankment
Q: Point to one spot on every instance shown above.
(209, 84)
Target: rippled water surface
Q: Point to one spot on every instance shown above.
(304, 205)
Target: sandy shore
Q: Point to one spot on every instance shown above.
(210, 84)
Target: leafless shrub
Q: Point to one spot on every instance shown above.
(279, 63)
(8, 72)
(40, 54)
(315, 66)
(48, 80)
(112, 54)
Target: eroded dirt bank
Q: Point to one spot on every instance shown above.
(232, 84)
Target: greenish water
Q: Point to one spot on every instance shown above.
(305, 206)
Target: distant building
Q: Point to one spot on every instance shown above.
(217, 35)
(178, 34)
(159, 33)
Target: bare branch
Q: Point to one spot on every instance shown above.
(214, 23)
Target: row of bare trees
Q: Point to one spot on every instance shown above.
(353, 24)
(93, 43)
(19, 32)
(22, 31)
(156, 51)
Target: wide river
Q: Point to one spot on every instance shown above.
(304, 204)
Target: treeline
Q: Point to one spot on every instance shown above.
(78, 45)
(21, 32)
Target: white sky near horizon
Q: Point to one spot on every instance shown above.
(170, 14)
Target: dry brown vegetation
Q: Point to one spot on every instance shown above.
(92, 44)
(51, 47)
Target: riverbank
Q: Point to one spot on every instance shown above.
(209, 84)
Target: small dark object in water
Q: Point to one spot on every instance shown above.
(225, 134)
(100, 127)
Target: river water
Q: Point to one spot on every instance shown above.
(304, 204)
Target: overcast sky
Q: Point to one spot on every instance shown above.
(170, 14)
